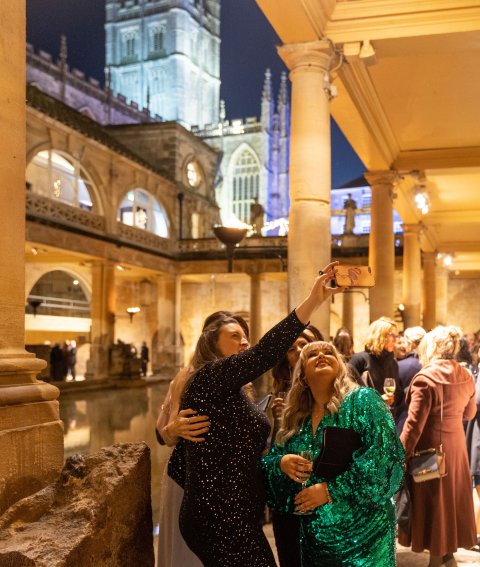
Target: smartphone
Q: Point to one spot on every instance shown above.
(263, 404)
(354, 276)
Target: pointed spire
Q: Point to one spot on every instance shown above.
(108, 78)
(267, 86)
(63, 50)
(223, 113)
(283, 91)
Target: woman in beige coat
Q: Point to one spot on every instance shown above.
(442, 509)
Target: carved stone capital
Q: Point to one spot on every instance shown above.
(311, 56)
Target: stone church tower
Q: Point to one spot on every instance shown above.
(165, 56)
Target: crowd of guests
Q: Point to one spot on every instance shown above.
(228, 458)
(63, 358)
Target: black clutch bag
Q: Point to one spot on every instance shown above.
(339, 444)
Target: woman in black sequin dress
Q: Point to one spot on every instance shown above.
(224, 492)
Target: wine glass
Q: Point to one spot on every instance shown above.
(389, 386)
(306, 454)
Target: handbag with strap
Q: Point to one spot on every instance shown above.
(429, 464)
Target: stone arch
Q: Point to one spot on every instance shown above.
(63, 294)
(140, 208)
(81, 173)
(32, 277)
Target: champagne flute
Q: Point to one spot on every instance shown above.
(306, 454)
(389, 386)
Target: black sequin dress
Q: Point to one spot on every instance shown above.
(224, 488)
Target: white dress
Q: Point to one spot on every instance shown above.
(172, 549)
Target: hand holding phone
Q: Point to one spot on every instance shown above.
(353, 276)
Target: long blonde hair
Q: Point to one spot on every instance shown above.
(299, 401)
(441, 342)
(377, 334)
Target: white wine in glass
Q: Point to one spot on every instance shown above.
(309, 456)
(389, 386)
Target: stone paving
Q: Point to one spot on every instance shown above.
(405, 557)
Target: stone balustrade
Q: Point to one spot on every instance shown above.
(144, 238)
(45, 208)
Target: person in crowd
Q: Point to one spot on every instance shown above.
(65, 359)
(439, 397)
(343, 342)
(408, 366)
(472, 428)
(377, 361)
(286, 527)
(224, 495)
(144, 357)
(56, 363)
(473, 341)
(401, 348)
(71, 358)
(464, 357)
(172, 425)
(349, 519)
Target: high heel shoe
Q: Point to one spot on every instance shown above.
(449, 561)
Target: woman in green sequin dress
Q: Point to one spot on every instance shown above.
(351, 519)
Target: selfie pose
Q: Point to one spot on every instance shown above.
(224, 491)
(348, 517)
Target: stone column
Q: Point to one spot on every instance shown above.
(165, 348)
(309, 240)
(255, 306)
(429, 291)
(382, 243)
(103, 318)
(149, 306)
(412, 274)
(347, 310)
(442, 295)
(178, 319)
(31, 433)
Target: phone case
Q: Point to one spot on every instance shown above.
(345, 276)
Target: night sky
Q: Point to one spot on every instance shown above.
(248, 48)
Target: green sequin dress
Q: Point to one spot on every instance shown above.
(358, 528)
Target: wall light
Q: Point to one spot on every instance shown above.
(422, 201)
(132, 311)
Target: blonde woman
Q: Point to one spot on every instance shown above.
(377, 361)
(351, 518)
(442, 509)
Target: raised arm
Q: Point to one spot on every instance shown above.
(231, 373)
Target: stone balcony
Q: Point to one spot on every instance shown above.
(45, 210)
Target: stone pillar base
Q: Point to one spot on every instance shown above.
(97, 365)
(31, 433)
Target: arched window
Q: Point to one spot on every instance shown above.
(58, 293)
(61, 177)
(246, 184)
(142, 210)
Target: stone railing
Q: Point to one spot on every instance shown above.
(143, 238)
(45, 208)
(212, 244)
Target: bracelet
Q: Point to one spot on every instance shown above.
(327, 494)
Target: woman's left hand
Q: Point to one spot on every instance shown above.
(311, 497)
